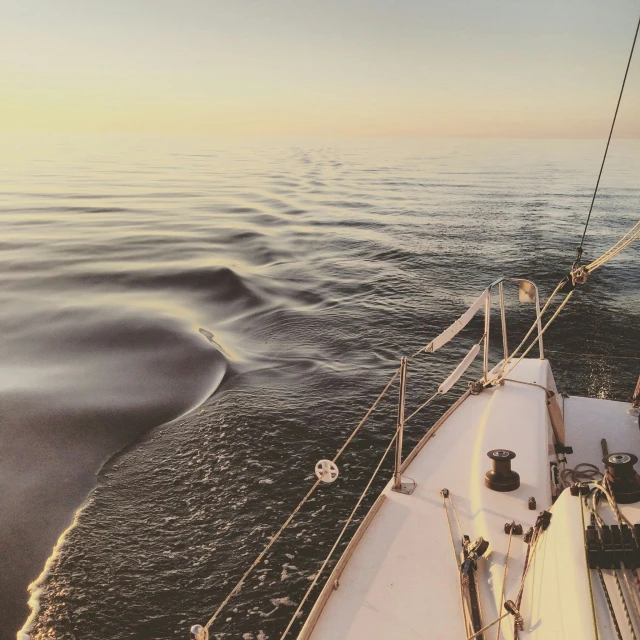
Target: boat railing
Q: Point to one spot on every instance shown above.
(528, 293)
(326, 471)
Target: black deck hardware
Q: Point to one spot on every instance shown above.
(517, 528)
(501, 477)
(468, 566)
(543, 520)
(531, 503)
(510, 606)
(622, 477)
(561, 448)
(608, 546)
(476, 388)
(580, 489)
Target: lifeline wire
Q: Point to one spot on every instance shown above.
(256, 562)
(615, 115)
(335, 544)
(624, 242)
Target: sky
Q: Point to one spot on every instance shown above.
(485, 68)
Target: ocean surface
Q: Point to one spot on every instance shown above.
(188, 324)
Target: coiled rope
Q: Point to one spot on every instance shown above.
(583, 472)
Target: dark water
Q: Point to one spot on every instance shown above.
(282, 280)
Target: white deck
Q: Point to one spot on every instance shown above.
(401, 581)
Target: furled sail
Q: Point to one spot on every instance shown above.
(458, 325)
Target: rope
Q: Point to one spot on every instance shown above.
(613, 123)
(335, 544)
(504, 575)
(605, 488)
(608, 494)
(373, 406)
(612, 613)
(463, 602)
(528, 561)
(422, 406)
(629, 237)
(625, 608)
(488, 626)
(594, 616)
(455, 513)
(257, 561)
(583, 472)
(631, 590)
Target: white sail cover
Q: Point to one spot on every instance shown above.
(458, 325)
(460, 369)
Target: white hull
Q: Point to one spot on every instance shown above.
(400, 579)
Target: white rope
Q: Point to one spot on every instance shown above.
(629, 237)
(583, 472)
(255, 563)
(373, 406)
(422, 406)
(337, 542)
(488, 626)
(504, 574)
(466, 613)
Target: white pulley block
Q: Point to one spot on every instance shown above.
(198, 632)
(327, 470)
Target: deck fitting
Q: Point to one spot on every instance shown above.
(501, 477)
(622, 477)
(512, 526)
(408, 488)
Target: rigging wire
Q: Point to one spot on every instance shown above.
(337, 542)
(604, 158)
(273, 539)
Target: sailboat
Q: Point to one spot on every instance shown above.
(516, 516)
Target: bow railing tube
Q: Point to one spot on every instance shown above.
(397, 476)
(199, 632)
(487, 326)
(503, 320)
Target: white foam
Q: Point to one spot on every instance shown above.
(36, 588)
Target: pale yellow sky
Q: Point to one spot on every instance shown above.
(351, 67)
